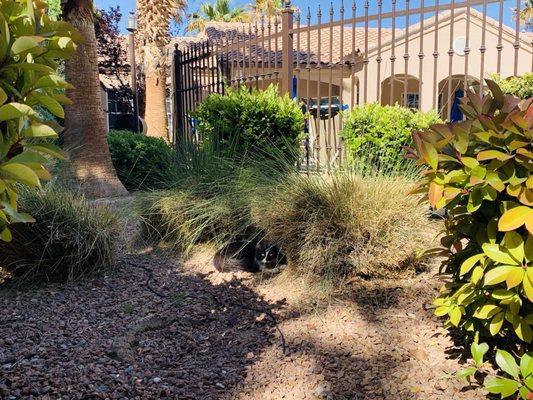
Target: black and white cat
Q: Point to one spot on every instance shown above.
(251, 256)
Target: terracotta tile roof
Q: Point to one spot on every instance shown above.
(230, 32)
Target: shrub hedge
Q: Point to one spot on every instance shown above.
(519, 86)
(142, 162)
(379, 132)
(245, 121)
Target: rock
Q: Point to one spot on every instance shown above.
(322, 391)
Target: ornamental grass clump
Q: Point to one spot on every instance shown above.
(480, 171)
(344, 226)
(204, 205)
(69, 240)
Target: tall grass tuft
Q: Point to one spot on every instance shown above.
(69, 240)
(342, 226)
(357, 223)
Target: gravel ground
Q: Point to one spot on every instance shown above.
(154, 328)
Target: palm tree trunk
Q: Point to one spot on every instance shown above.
(85, 127)
(156, 103)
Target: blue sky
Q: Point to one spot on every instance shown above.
(129, 5)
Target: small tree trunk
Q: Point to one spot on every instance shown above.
(156, 104)
(85, 127)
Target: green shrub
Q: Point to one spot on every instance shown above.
(519, 86)
(517, 377)
(378, 133)
(142, 162)
(480, 170)
(30, 47)
(251, 121)
(70, 239)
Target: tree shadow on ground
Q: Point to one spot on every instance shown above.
(381, 341)
(58, 340)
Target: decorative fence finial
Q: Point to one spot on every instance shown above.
(287, 3)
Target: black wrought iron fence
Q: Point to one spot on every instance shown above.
(422, 54)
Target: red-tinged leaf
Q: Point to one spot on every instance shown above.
(443, 129)
(429, 153)
(496, 93)
(517, 144)
(435, 193)
(493, 154)
(525, 152)
(519, 120)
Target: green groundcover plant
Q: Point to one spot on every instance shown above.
(31, 44)
(382, 131)
(142, 162)
(248, 120)
(480, 171)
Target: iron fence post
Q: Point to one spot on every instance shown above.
(287, 21)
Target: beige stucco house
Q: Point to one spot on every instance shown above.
(355, 82)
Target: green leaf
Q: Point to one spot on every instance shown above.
(498, 253)
(27, 157)
(3, 96)
(478, 351)
(14, 111)
(20, 173)
(486, 311)
(496, 323)
(526, 365)
(497, 275)
(51, 104)
(37, 129)
(525, 393)
(502, 386)
(25, 44)
(5, 235)
(469, 263)
(522, 329)
(507, 363)
(465, 373)
(528, 248)
(455, 315)
(528, 283)
(514, 245)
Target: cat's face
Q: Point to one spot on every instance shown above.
(266, 257)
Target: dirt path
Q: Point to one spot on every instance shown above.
(154, 328)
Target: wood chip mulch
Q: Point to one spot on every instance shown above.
(149, 330)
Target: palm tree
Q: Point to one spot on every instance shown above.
(267, 8)
(527, 12)
(154, 17)
(85, 128)
(221, 10)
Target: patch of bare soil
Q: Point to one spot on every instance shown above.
(156, 328)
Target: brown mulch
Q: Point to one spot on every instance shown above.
(155, 328)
